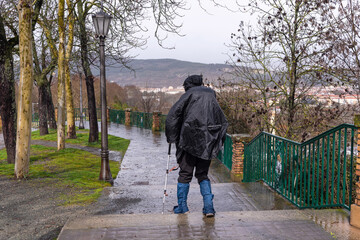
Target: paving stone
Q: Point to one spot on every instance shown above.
(286, 224)
(131, 209)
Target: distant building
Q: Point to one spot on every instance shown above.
(166, 90)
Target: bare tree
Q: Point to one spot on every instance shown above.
(45, 62)
(48, 60)
(70, 111)
(342, 38)
(9, 39)
(148, 100)
(277, 57)
(83, 8)
(61, 77)
(23, 136)
(125, 33)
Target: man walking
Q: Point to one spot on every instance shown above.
(197, 125)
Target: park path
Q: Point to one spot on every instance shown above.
(2, 144)
(132, 208)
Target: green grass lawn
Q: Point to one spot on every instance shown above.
(75, 170)
(115, 143)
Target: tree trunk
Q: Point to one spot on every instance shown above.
(61, 79)
(70, 116)
(70, 111)
(50, 107)
(94, 130)
(8, 104)
(7, 95)
(23, 136)
(43, 126)
(89, 78)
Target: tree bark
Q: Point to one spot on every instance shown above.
(50, 107)
(43, 126)
(70, 111)
(94, 130)
(70, 116)
(7, 101)
(61, 79)
(89, 78)
(23, 136)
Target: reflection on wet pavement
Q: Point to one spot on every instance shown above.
(2, 144)
(131, 209)
(142, 176)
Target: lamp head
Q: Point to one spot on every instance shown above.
(101, 22)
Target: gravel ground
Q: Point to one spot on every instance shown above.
(31, 210)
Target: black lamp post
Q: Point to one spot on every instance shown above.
(81, 124)
(102, 23)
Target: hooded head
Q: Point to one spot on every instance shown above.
(193, 81)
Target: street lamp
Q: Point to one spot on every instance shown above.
(102, 23)
(81, 124)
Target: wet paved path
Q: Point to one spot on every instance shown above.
(286, 224)
(2, 144)
(139, 185)
(132, 208)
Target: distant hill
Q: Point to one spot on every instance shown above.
(163, 72)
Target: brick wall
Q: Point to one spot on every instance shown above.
(237, 170)
(127, 117)
(156, 121)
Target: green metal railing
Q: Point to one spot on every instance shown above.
(86, 114)
(141, 120)
(315, 174)
(35, 120)
(162, 122)
(117, 116)
(225, 154)
(35, 116)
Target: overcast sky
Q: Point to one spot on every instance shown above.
(204, 40)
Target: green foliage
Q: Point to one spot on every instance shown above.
(357, 120)
(118, 105)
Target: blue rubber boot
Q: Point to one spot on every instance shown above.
(205, 189)
(182, 193)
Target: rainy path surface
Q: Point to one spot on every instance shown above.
(2, 144)
(139, 185)
(132, 208)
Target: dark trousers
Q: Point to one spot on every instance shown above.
(187, 165)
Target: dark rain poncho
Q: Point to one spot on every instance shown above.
(196, 122)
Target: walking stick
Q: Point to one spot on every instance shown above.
(166, 177)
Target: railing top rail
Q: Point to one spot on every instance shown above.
(272, 135)
(341, 126)
(142, 112)
(332, 130)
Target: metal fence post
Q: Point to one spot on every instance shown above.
(237, 170)
(355, 208)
